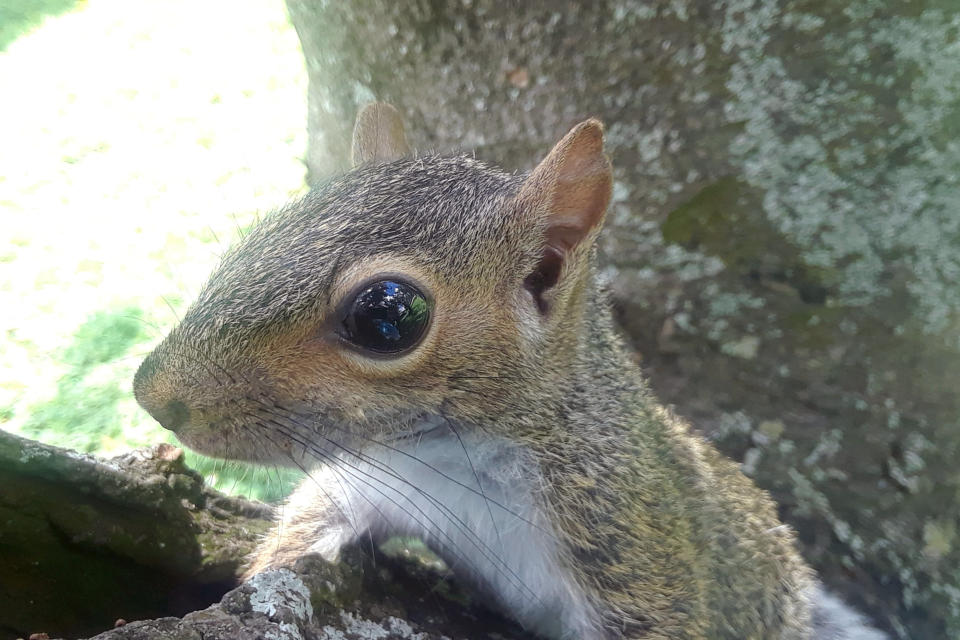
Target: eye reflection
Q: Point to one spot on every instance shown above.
(389, 316)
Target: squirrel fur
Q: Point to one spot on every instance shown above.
(518, 438)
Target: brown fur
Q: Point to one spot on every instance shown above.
(667, 538)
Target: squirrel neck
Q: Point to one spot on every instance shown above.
(645, 507)
(591, 383)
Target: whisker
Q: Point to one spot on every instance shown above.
(409, 455)
(360, 475)
(253, 433)
(473, 469)
(237, 479)
(236, 226)
(159, 332)
(351, 521)
(215, 237)
(458, 523)
(170, 306)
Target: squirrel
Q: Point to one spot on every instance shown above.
(427, 337)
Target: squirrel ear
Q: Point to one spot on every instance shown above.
(378, 135)
(573, 185)
(574, 182)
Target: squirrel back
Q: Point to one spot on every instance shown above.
(429, 338)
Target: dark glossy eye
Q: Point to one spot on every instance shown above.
(389, 316)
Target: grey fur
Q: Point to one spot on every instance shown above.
(568, 495)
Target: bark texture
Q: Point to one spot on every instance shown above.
(784, 243)
(352, 600)
(85, 541)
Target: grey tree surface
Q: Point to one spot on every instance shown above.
(784, 243)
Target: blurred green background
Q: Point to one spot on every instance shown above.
(139, 138)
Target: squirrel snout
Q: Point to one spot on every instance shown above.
(172, 414)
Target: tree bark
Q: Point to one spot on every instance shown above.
(783, 245)
(86, 541)
(352, 600)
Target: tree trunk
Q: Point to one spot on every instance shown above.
(784, 242)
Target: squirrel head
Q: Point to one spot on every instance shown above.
(407, 287)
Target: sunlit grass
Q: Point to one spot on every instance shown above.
(20, 16)
(138, 137)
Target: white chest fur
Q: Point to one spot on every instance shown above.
(476, 502)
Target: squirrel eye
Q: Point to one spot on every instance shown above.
(389, 316)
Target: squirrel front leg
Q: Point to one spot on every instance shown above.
(317, 518)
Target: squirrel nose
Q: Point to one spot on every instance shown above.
(172, 415)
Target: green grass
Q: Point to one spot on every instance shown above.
(84, 413)
(136, 143)
(19, 16)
